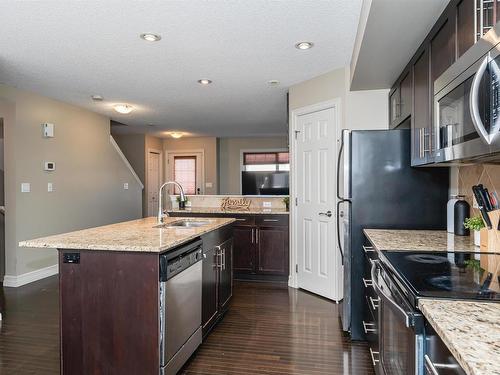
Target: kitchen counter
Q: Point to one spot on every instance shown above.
(470, 330)
(140, 235)
(218, 210)
(418, 240)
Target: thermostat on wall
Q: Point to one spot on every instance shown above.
(50, 166)
(48, 130)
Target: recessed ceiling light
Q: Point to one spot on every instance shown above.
(123, 108)
(176, 135)
(150, 37)
(97, 98)
(204, 81)
(273, 82)
(304, 45)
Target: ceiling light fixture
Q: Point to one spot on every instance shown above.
(176, 135)
(273, 82)
(124, 109)
(97, 98)
(304, 45)
(204, 81)
(150, 37)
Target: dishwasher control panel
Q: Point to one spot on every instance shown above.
(176, 261)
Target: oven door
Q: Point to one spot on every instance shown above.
(467, 112)
(400, 328)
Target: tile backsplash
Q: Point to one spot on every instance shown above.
(486, 174)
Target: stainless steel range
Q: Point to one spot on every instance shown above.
(401, 279)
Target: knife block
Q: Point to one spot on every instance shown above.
(490, 238)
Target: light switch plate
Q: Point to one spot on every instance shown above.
(25, 187)
(209, 185)
(267, 204)
(50, 187)
(125, 186)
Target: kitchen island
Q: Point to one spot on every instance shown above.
(112, 297)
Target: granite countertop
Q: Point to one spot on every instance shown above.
(140, 235)
(218, 210)
(418, 240)
(470, 330)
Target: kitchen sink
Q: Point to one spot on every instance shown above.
(184, 224)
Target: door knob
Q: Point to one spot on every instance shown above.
(327, 213)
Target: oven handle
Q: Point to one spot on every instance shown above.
(407, 317)
(474, 98)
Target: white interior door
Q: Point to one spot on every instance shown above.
(319, 266)
(153, 183)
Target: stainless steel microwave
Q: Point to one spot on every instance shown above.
(467, 105)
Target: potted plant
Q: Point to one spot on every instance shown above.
(475, 223)
(182, 204)
(286, 201)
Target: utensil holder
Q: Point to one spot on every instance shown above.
(490, 238)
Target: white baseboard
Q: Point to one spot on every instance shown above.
(29, 277)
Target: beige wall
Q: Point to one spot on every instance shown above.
(360, 109)
(208, 145)
(88, 180)
(229, 151)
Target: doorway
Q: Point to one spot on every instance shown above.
(153, 181)
(317, 266)
(188, 169)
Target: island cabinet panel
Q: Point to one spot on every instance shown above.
(102, 297)
(217, 276)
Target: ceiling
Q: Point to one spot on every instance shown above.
(391, 32)
(70, 50)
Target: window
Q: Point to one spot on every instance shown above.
(266, 161)
(185, 173)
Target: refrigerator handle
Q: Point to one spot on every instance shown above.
(339, 158)
(338, 230)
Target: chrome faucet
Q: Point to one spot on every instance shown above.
(160, 198)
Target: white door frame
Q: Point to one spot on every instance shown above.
(190, 152)
(160, 177)
(333, 103)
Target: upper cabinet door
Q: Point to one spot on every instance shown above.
(442, 49)
(394, 106)
(421, 122)
(405, 89)
(465, 25)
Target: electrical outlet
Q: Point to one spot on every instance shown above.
(25, 187)
(50, 187)
(267, 204)
(125, 186)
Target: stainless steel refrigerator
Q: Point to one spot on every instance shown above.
(377, 188)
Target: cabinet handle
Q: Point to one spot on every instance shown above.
(374, 302)
(253, 241)
(420, 147)
(271, 220)
(367, 282)
(257, 235)
(368, 327)
(218, 252)
(241, 219)
(368, 249)
(372, 355)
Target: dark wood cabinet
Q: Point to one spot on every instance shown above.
(465, 26)
(261, 245)
(421, 119)
(443, 48)
(405, 96)
(272, 250)
(217, 276)
(400, 99)
(244, 257)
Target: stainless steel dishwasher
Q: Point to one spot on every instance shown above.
(180, 306)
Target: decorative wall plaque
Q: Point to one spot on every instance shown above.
(235, 204)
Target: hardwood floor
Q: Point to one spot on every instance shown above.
(269, 329)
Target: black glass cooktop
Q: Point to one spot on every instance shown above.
(448, 275)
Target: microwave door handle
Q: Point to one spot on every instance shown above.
(474, 98)
(381, 294)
